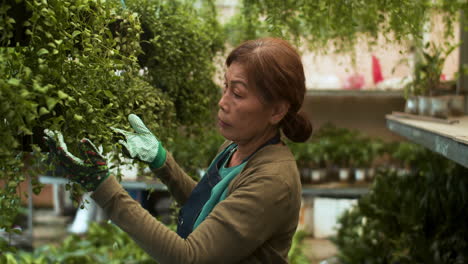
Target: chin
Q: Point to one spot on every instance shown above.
(226, 134)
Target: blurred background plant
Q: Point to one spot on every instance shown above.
(410, 218)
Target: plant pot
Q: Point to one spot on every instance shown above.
(457, 105)
(360, 174)
(370, 174)
(343, 174)
(402, 172)
(424, 105)
(411, 105)
(305, 175)
(440, 106)
(317, 175)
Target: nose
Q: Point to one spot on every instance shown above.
(223, 105)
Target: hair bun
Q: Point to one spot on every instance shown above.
(297, 126)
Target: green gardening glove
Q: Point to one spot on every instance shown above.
(142, 144)
(89, 171)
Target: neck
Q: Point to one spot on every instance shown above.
(247, 147)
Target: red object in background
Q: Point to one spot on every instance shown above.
(354, 82)
(376, 70)
(443, 77)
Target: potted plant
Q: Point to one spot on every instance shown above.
(302, 159)
(362, 157)
(342, 155)
(377, 149)
(427, 83)
(316, 162)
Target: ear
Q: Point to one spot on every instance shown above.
(279, 110)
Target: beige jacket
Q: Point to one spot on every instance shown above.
(254, 224)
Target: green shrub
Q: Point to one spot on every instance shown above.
(415, 218)
(76, 66)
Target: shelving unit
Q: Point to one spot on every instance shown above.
(359, 93)
(449, 140)
(335, 190)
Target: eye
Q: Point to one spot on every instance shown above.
(236, 95)
(224, 88)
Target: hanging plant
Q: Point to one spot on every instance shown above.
(73, 76)
(341, 22)
(179, 43)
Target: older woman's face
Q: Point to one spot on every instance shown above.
(241, 116)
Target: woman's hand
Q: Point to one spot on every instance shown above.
(142, 144)
(89, 170)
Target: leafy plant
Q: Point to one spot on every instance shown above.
(80, 71)
(104, 243)
(428, 69)
(342, 22)
(196, 150)
(107, 243)
(296, 253)
(179, 45)
(409, 219)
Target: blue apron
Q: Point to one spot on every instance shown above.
(202, 191)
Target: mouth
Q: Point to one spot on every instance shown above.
(221, 123)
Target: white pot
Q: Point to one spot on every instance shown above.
(424, 105)
(315, 175)
(457, 105)
(440, 106)
(360, 175)
(411, 105)
(343, 174)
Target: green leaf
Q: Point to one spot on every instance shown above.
(10, 259)
(75, 33)
(78, 117)
(62, 95)
(43, 111)
(14, 81)
(108, 93)
(51, 102)
(42, 52)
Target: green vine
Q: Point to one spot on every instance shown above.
(177, 38)
(77, 66)
(342, 22)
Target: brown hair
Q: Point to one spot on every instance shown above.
(275, 69)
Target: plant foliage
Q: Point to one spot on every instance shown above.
(342, 21)
(415, 218)
(82, 66)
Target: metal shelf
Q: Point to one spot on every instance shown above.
(449, 140)
(336, 189)
(374, 93)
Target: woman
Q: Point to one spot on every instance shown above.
(246, 207)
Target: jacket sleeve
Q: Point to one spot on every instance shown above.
(237, 226)
(179, 183)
